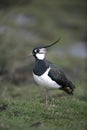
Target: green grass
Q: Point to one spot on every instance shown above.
(64, 113)
(22, 107)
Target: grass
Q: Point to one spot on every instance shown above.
(62, 113)
(22, 107)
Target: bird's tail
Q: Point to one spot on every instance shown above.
(69, 89)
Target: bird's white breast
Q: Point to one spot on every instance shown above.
(45, 80)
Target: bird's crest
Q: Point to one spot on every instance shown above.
(52, 43)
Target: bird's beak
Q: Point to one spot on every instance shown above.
(30, 54)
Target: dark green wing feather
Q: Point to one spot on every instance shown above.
(59, 77)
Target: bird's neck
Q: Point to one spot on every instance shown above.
(40, 67)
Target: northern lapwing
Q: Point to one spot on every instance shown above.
(49, 75)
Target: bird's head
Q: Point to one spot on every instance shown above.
(40, 52)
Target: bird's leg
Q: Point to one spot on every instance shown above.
(46, 96)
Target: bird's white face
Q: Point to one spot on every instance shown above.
(39, 53)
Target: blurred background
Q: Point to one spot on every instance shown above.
(25, 24)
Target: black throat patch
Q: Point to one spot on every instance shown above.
(40, 67)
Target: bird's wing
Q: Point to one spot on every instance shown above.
(59, 77)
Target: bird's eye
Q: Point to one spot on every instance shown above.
(37, 51)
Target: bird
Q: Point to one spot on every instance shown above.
(47, 74)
